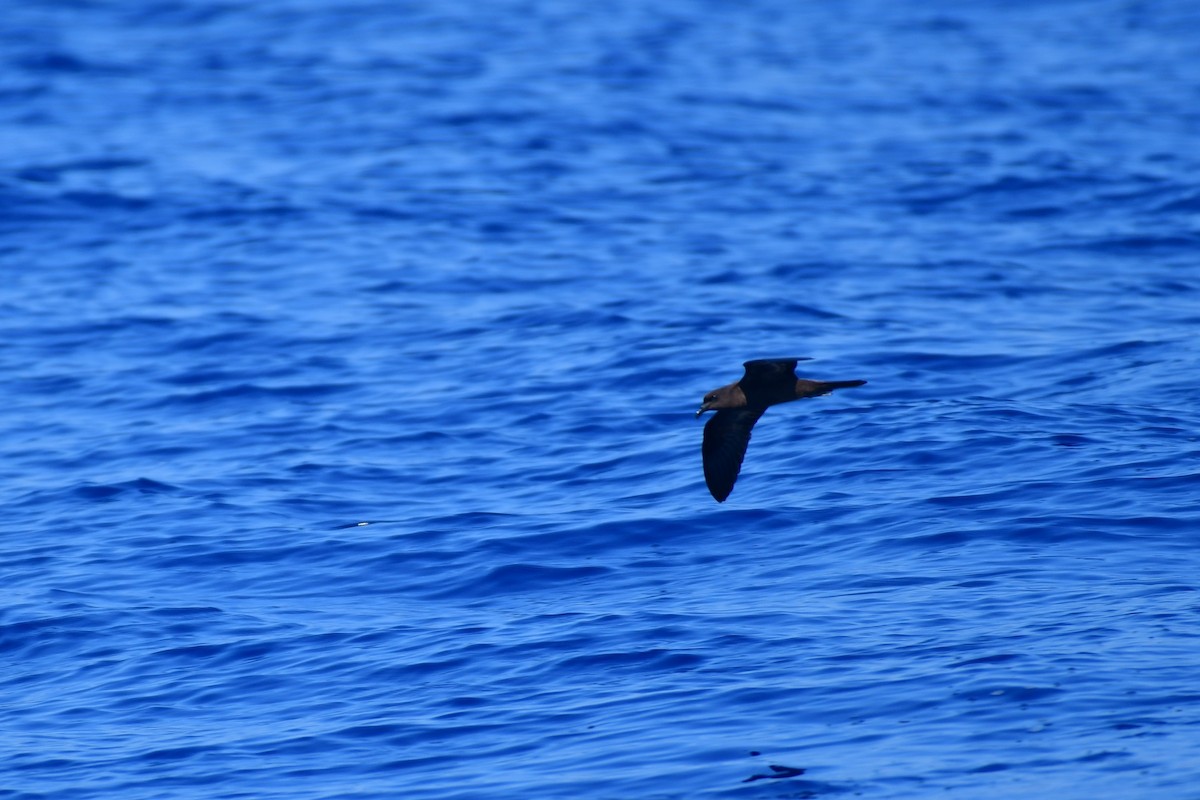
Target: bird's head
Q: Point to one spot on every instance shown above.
(730, 396)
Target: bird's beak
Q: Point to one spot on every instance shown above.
(703, 408)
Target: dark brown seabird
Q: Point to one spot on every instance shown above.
(767, 382)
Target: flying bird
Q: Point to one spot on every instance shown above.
(766, 382)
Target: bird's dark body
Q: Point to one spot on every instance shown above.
(766, 382)
(769, 382)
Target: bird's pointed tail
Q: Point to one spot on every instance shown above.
(817, 388)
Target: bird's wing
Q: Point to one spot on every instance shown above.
(725, 438)
(770, 372)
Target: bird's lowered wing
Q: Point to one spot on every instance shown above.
(725, 438)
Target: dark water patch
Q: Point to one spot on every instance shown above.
(105, 492)
(52, 173)
(635, 661)
(53, 62)
(525, 578)
(1071, 440)
(1188, 204)
(1157, 246)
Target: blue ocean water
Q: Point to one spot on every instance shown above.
(350, 355)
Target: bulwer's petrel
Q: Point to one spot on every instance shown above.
(767, 382)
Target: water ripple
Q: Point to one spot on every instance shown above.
(352, 353)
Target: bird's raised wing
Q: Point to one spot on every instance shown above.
(770, 372)
(726, 436)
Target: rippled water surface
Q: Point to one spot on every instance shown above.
(463, 271)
